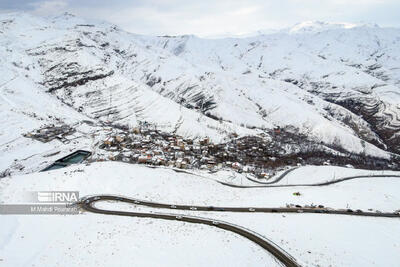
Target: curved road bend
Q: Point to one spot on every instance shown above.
(316, 184)
(284, 174)
(268, 245)
(91, 200)
(280, 177)
(88, 205)
(275, 250)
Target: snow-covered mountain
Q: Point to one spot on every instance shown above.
(339, 84)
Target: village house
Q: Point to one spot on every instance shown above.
(204, 141)
(119, 138)
(237, 166)
(136, 130)
(181, 163)
(196, 149)
(109, 141)
(157, 152)
(179, 154)
(144, 158)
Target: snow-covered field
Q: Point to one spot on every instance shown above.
(306, 175)
(313, 239)
(91, 240)
(336, 84)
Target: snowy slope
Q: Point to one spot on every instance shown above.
(313, 239)
(336, 83)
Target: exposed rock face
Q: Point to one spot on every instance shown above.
(69, 76)
(383, 119)
(337, 86)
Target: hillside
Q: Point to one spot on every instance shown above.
(277, 149)
(106, 240)
(332, 86)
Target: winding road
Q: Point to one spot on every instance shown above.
(280, 177)
(88, 204)
(316, 184)
(272, 184)
(280, 254)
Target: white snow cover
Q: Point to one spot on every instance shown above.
(313, 239)
(69, 70)
(168, 80)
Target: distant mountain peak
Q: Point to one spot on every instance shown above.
(319, 26)
(68, 15)
(338, 88)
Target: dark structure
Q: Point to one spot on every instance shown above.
(74, 158)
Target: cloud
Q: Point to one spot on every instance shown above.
(45, 8)
(210, 17)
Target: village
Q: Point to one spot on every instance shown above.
(147, 145)
(261, 155)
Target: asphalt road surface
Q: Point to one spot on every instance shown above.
(281, 255)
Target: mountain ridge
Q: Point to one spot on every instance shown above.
(338, 87)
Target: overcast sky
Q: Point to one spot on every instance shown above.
(214, 17)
